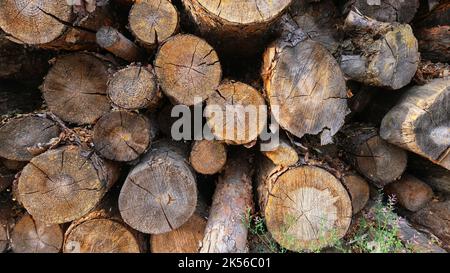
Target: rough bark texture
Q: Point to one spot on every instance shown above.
(135, 87)
(304, 206)
(377, 160)
(226, 231)
(64, 184)
(402, 11)
(304, 81)
(115, 42)
(122, 135)
(379, 54)
(160, 193)
(359, 191)
(187, 68)
(420, 123)
(152, 21)
(32, 236)
(228, 117)
(185, 239)
(19, 136)
(435, 217)
(410, 192)
(75, 88)
(208, 157)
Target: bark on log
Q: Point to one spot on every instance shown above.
(122, 136)
(434, 175)
(305, 207)
(19, 136)
(33, 236)
(359, 191)
(374, 158)
(208, 157)
(152, 22)
(235, 25)
(380, 54)
(386, 10)
(415, 240)
(420, 123)
(304, 81)
(187, 67)
(185, 239)
(160, 193)
(75, 88)
(135, 87)
(226, 231)
(236, 113)
(435, 217)
(410, 192)
(115, 42)
(64, 184)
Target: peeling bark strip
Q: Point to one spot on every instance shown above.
(19, 136)
(64, 184)
(185, 239)
(411, 193)
(153, 21)
(233, 98)
(226, 231)
(381, 54)
(304, 80)
(402, 11)
(32, 236)
(75, 88)
(115, 42)
(134, 87)
(305, 207)
(122, 135)
(187, 67)
(208, 157)
(377, 160)
(234, 25)
(420, 123)
(160, 193)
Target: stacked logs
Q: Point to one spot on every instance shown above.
(100, 165)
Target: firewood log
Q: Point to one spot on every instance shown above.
(134, 87)
(435, 217)
(115, 42)
(359, 191)
(19, 136)
(305, 206)
(122, 135)
(64, 184)
(208, 157)
(226, 231)
(410, 192)
(152, 21)
(434, 175)
(283, 154)
(236, 113)
(305, 82)
(187, 67)
(33, 236)
(386, 10)
(419, 122)
(379, 54)
(160, 193)
(75, 88)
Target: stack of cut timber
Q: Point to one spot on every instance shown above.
(128, 126)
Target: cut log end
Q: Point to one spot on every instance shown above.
(122, 135)
(101, 236)
(187, 68)
(134, 87)
(410, 192)
(387, 10)
(75, 88)
(208, 157)
(34, 22)
(32, 236)
(64, 184)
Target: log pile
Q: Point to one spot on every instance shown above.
(94, 96)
